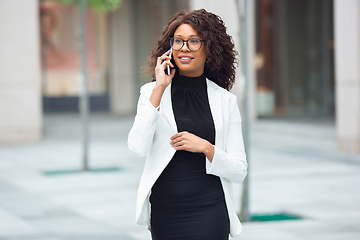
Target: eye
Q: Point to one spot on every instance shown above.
(194, 40)
(177, 40)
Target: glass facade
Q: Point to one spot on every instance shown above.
(295, 45)
(60, 49)
(59, 29)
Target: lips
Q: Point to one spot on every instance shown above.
(185, 58)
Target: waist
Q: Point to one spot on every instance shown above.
(184, 183)
(185, 165)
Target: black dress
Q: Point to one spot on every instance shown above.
(187, 203)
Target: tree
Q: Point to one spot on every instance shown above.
(100, 5)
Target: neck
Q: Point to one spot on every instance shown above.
(189, 82)
(191, 74)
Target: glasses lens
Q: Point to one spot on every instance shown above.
(194, 44)
(176, 43)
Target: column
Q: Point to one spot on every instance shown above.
(226, 9)
(20, 74)
(347, 70)
(121, 64)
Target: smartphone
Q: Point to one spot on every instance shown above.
(168, 67)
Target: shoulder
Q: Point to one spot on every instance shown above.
(224, 93)
(147, 88)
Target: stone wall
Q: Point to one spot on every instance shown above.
(20, 74)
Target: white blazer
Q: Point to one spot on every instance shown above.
(150, 136)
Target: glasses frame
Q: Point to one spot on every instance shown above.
(187, 43)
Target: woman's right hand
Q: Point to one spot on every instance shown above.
(162, 79)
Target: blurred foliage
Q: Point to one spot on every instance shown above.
(100, 5)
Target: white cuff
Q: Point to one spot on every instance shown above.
(209, 165)
(155, 109)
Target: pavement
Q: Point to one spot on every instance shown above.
(294, 168)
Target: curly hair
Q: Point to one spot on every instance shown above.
(221, 62)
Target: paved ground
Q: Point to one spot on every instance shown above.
(294, 168)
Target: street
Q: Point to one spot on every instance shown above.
(294, 168)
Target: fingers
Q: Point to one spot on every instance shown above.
(163, 65)
(172, 73)
(174, 136)
(180, 134)
(163, 57)
(179, 140)
(188, 142)
(179, 145)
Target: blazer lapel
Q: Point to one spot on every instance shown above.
(167, 110)
(215, 105)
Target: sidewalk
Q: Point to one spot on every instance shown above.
(294, 168)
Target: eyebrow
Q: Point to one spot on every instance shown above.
(190, 35)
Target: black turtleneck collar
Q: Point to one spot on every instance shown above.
(189, 82)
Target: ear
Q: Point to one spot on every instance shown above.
(207, 61)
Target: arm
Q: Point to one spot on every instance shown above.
(142, 132)
(231, 162)
(162, 80)
(192, 143)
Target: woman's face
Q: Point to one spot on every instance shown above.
(190, 63)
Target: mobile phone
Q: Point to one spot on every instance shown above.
(168, 67)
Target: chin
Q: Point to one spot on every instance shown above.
(187, 68)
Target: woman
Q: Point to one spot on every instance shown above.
(189, 126)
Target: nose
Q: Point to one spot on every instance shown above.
(185, 48)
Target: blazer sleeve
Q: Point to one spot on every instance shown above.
(230, 163)
(141, 135)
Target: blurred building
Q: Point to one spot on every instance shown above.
(308, 61)
(304, 59)
(295, 44)
(117, 46)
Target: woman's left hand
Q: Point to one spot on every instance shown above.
(192, 143)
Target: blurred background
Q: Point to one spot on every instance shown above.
(298, 89)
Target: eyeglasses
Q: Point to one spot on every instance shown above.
(193, 44)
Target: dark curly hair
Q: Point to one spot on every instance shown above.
(221, 62)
